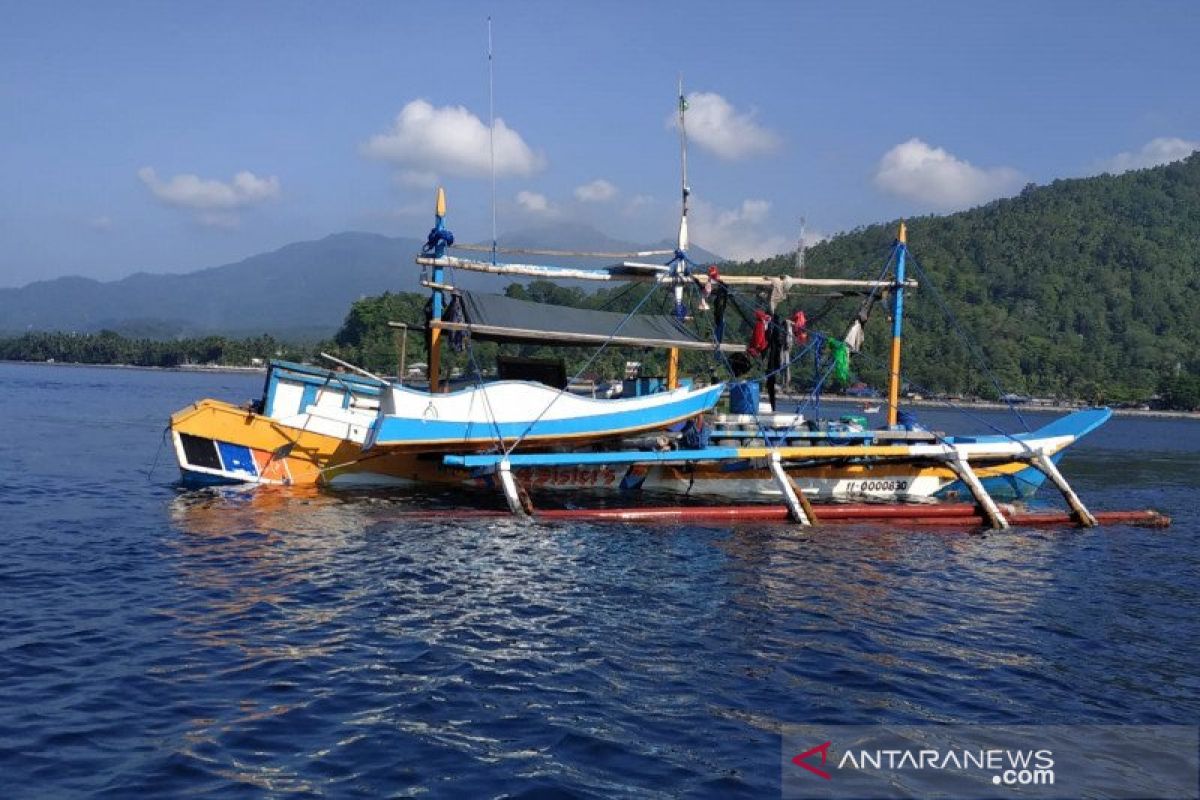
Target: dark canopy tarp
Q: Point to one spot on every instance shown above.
(498, 318)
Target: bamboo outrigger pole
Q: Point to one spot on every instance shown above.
(897, 327)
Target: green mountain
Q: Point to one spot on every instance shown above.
(1083, 288)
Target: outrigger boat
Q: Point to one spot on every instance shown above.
(316, 426)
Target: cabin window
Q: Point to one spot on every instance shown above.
(200, 452)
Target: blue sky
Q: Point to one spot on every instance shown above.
(165, 137)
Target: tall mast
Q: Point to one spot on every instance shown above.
(492, 134)
(681, 244)
(897, 326)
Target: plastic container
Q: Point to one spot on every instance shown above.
(743, 397)
(642, 386)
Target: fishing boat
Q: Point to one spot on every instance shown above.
(512, 435)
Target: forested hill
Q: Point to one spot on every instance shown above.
(1083, 288)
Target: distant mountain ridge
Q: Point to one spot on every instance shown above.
(301, 286)
(302, 290)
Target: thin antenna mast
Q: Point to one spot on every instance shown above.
(801, 245)
(492, 134)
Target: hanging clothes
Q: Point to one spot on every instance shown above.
(799, 324)
(778, 293)
(857, 333)
(707, 289)
(758, 336)
(841, 361)
(720, 302)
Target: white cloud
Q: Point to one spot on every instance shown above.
(100, 223)
(1162, 150)
(597, 191)
(450, 139)
(204, 194)
(534, 203)
(714, 124)
(930, 175)
(417, 178)
(737, 233)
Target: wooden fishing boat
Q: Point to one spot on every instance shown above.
(319, 426)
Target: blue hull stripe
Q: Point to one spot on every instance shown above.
(392, 430)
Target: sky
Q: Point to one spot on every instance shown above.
(169, 136)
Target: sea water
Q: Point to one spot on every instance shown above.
(156, 641)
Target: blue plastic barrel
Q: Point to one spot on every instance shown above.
(743, 397)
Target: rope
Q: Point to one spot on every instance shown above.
(947, 403)
(508, 451)
(487, 403)
(154, 464)
(967, 341)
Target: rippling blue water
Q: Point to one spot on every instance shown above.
(159, 642)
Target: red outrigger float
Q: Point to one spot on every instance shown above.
(947, 515)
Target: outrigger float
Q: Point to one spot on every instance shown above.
(351, 428)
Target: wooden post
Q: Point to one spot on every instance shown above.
(673, 368)
(962, 468)
(1047, 466)
(435, 359)
(798, 506)
(512, 493)
(402, 334)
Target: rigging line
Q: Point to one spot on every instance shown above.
(626, 289)
(492, 132)
(947, 403)
(487, 403)
(967, 342)
(810, 326)
(733, 374)
(154, 464)
(818, 338)
(580, 372)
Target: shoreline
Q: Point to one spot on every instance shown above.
(180, 368)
